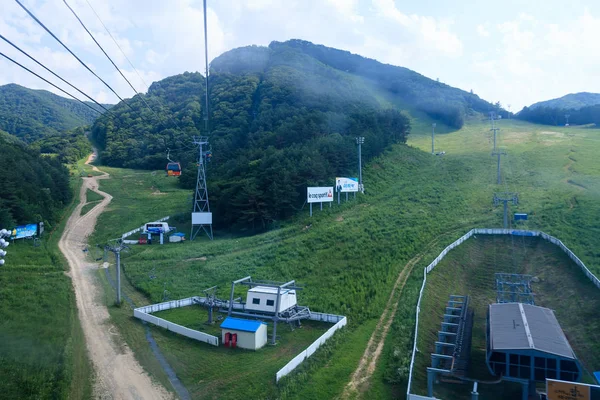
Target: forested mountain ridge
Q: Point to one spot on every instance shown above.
(282, 117)
(33, 114)
(33, 187)
(571, 101)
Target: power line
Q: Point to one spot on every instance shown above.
(48, 82)
(158, 99)
(69, 50)
(107, 56)
(52, 72)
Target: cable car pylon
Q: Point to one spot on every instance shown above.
(201, 215)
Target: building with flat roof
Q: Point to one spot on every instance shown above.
(244, 333)
(526, 342)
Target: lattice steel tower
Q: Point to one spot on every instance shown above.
(201, 215)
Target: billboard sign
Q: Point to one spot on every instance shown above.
(24, 231)
(201, 218)
(319, 194)
(346, 185)
(562, 390)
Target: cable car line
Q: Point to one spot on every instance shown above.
(52, 72)
(69, 50)
(107, 56)
(129, 61)
(48, 82)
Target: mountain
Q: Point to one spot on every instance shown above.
(574, 109)
(33, 114)
(33, 187)
(572, 101)
(282, 117)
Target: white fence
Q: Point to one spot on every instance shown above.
(340, 321)
(143, 313)
(460, 241)
(141, 228)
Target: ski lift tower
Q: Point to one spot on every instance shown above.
(201, 215)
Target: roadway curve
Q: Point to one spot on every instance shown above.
(118, 374)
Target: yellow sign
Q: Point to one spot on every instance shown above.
(561, 390)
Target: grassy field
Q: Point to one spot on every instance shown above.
(42, 347)
(470, 268)
(349, 256)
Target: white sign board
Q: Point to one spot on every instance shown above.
(319, 194)
(201, 218)
(346, 185)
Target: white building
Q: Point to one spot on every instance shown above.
(244, 333)
(264, 299)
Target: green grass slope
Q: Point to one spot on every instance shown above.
(349, 256)
(42, 347)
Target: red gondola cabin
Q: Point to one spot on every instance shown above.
(173, 169)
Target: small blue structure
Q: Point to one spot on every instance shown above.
(520, 217)
(597, 376)
(525, 342)
(239, 324)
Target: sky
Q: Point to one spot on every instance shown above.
(515, 52)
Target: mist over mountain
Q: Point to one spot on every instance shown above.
(281, 117)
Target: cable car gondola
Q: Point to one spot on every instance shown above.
(173, 168)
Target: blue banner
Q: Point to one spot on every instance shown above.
(24, 231)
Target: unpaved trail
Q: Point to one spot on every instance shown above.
(118, 374)
(361, 378)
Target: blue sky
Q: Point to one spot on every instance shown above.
(513, 52)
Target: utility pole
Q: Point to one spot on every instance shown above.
(505, 197)
(567, 118)
(498, 153)
(359, 141)
(508, 114)
(117, 248)
(492, 118)
(432, 134)
(495, 130)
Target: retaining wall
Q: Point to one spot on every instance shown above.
(143, 313)
(461, 240)
(339, 320)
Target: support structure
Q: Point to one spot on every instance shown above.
(495, 130)
(201, 215)
(567, 119)
(359, 141)
(505, 197)
(116, 249)
(432, 138)
(498, 153)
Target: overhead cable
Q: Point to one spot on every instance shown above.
(52, 72)
(48, 82)
(129, 61)
(69, 50)
(107, 56)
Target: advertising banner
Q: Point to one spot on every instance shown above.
(319, 194)
(562, 390)
(346, 185)
(24, 231)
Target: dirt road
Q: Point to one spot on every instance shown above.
(118, 374)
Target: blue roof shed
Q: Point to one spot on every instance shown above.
(238, 324)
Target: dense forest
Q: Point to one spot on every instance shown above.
(34, 114)
(33, 187)
(557, 116)
(282, 117)
(571, 101)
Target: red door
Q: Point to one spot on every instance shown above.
(234, 340)
(227, 339)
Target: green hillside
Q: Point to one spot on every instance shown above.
(348, 257)
(573, 101)
(33, 187)
(33, 114)
(282, 117)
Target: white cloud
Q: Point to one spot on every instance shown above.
(482, 31)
